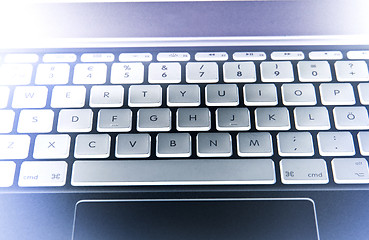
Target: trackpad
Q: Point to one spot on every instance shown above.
(196, 219)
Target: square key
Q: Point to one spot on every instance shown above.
(133, 146)
(214, 145)
(350, 170)
(173, 145)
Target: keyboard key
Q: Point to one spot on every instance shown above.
(271, 119)
(4, 96)
(7, 172)
(312, 118)
(303, 171)
(260, 95)
(154, 120)
(133, 146)
(256, 144)
(350, 71)
(351, 118)
(350, 170)
(114, 120)
(183, 95)
(221, 95)
(52, 74)
(325, 55)
(90, 73)
(295, 144)
(135, 57)
(193, 119)
(14, 146)
(15, 74)
(6, 121)
(127, 73)
(68, 97)
(164, 73)
(173, 56)
(35, 121)
(232, 119)
(145, 96)
(173, 172)
(60, 57)
(363, 139)
(173, 145)
(30, 97)
(43, 174)
(92, 146)
(249, 56)
(336, 144)
(211, 56)
(202, 72)
(214, 145)
(363, 89)
(97, 57)
(75, 120)
(337, 94)
(314, 71)
(354, 55)
(51, 146)
(291, 55)
(106, 96)
(21, 58)
(276, 71)
(239, 72)
(298, 94)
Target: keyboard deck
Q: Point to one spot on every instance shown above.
(72, 118)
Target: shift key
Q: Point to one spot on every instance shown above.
(303, 171)
(43, 174)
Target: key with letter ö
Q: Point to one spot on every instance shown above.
(351, 118)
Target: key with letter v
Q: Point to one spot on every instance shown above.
(133, 145)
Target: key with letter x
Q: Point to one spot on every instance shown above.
(51, 146)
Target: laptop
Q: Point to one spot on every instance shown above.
(184, 120)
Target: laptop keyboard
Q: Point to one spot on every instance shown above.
(177, 116)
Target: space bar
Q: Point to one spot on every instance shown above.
(173, 172)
